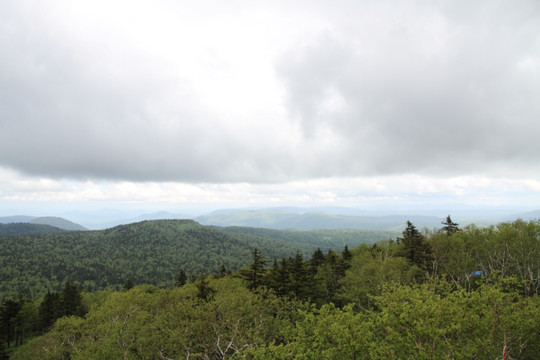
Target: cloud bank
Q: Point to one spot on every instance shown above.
(234, 92)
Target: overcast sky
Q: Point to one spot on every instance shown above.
(269, 103)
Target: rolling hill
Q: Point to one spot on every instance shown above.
(284, 219)
(149, 252)
(54, 221)
(21, 229)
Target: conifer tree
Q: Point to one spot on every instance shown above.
(8, 313)
(450, 227)
(317, 259)
(254, 273)
(128, 285)
(204, 291)
(415, 248)
(180, 279)
(300, 278)
(50, 309)
(71, 300)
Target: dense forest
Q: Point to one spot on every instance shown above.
(452, 293)
(149, 252)
(323, 238)
(18, 229)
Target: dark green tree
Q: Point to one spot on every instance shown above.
(8, 313)
(128, 285)
(277, 277)
(415, 248)
(300, 278)
(346, 254)
(181, 279)
(223, 271)
(450, 227)
(254, 273)
(71, 300)
(204, 291)
(50, 309)
(317, 259)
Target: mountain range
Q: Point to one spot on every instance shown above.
(54, 221)
(280, 218)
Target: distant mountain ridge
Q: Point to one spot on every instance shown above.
(25, 228)
(314, 218)
(282, 219)
(53, 221)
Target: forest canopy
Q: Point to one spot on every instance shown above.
(457, 293)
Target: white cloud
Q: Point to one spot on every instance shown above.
(237, 102)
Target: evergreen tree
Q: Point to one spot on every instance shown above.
(71, 300)
(223, 271)
(204, 291)
(346, 254)
(8, 313)
(181, 279)
(344, 262)
(254, 273)
(415, 248)
(317, 259)
(278, 277)
(450, 227)
(128, 285)
(300, 278)
(50, 309)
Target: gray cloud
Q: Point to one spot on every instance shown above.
(385, 88)
(438, 92)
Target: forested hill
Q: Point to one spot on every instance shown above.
(17, 229)
(324, 239)
(151, 252)
(54, 221)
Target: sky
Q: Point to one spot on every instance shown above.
(221, 104)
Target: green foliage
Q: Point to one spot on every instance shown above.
(417, 322)
(370, 302)
(308, 241)
(450, 227)
(181, 279)
(148, 252)
(204, 291)
(21, 229)
(254, 273)
(415, 248)
(151, 323)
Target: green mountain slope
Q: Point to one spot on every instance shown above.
(149, 252)
(312, 239)
(282, 219)
(21, 229)
(59, 223)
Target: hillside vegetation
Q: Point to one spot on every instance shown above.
(469, 293)
(150, 252)
(282, 219)
(21, 229)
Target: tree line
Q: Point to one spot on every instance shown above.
(448, 293)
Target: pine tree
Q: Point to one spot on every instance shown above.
(223, 271)
(128, 285)
(71, 300)
(254, 273)
(204, 291)
(8, 313)
(317, 259)
(181, 279)
(415, 248)
(50, 309)
(344, 263)
(300, 278)
(450, 227)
